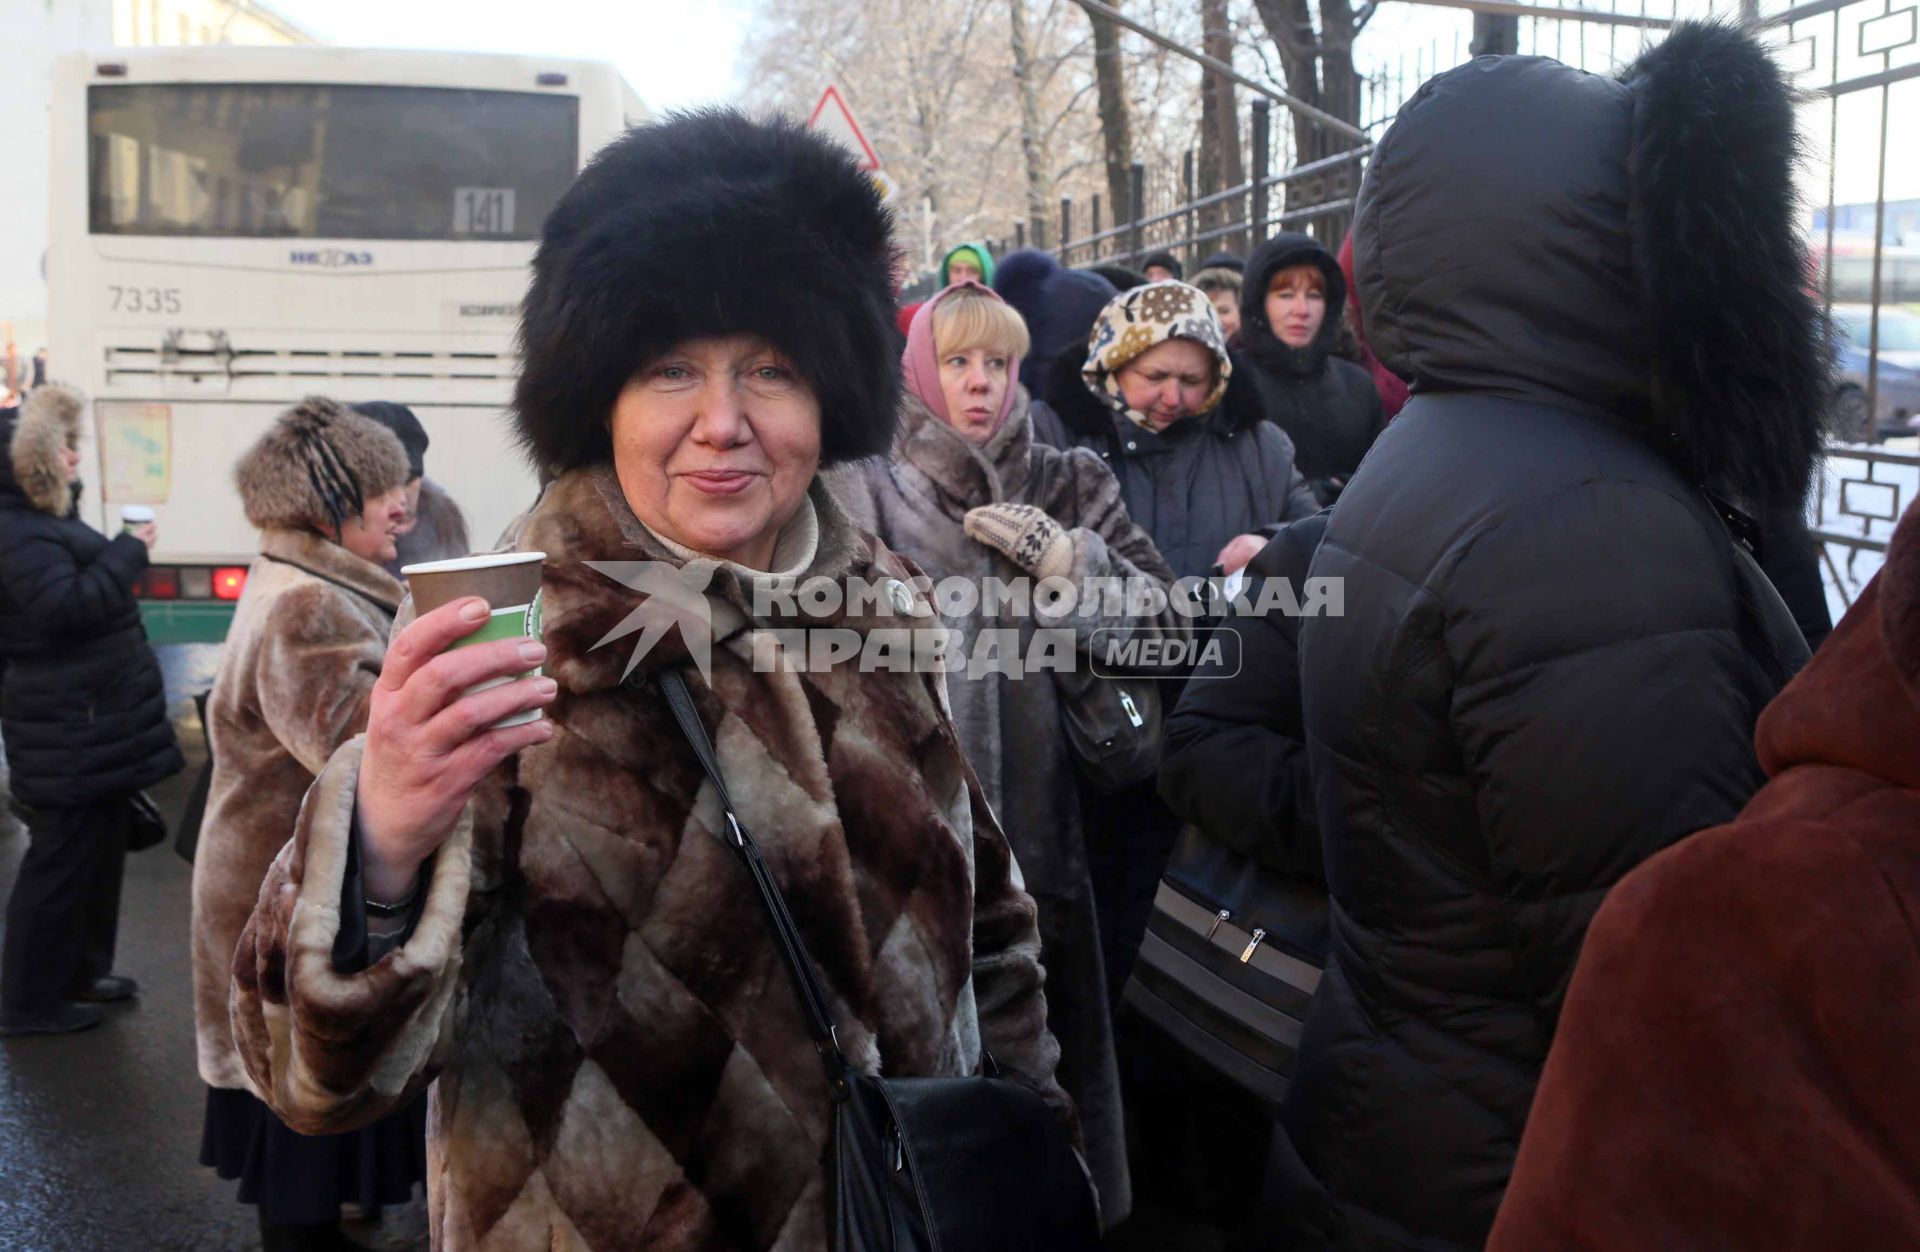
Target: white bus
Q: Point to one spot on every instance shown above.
(235, 228)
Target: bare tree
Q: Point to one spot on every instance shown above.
(977, 141)
(1116, 125)
(1318, 65)
(1033, 141)
(1220, 166)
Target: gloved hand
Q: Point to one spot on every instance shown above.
(1026, 535)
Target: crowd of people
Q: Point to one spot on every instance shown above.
(1582, 966)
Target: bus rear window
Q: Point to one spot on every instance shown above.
(276, 160)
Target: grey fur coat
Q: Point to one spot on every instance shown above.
(1010, 727)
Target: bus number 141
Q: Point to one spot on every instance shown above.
(483, 211)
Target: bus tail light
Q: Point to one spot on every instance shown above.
(160, 582)
(196, 582)
(229, 581)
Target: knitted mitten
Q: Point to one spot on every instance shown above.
(1026, 535)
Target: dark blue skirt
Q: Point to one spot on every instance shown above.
(297, 1178)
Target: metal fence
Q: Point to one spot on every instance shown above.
(1863, 492)
(1858, 61)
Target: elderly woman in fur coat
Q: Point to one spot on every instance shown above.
(84, 712)
(324, 486)
(968, 495)
(620, 1060)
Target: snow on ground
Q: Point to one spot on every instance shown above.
(1851, 488)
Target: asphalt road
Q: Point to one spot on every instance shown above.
(100, 1131)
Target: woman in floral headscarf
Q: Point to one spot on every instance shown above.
(1199, 469)
(1204, 474)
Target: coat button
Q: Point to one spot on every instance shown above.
(1131, 445)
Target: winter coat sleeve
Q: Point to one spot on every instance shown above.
(1733, 1069)
(1008, 981)
(1085, 498)
(1277, 469)
(1235, 759)
(318, 662)
(1602, 712)
(332, 1049)
(1791, 561)
(60, 595)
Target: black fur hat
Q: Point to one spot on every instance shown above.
(710, 223)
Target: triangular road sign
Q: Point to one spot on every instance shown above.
(832, 118)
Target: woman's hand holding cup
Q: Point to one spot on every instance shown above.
(431, 739)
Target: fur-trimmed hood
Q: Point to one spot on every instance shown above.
(1625, 248)
(48, 422)
(710, 224)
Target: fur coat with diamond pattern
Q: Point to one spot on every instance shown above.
(617, 1058)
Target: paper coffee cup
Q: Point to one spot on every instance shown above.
(132, 515)
(510, 584)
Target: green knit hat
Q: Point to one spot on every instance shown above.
(981, 257)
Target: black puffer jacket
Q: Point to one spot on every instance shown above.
(1235, 758)
(1328, 407)
(1552, 655)
(1194, 486)
(82, 706)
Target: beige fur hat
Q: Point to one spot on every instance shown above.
(48, 422)
(318, 464)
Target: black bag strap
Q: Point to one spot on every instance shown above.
(786, 936)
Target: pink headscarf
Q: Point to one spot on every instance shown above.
(920, 363)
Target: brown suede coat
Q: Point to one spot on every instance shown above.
(1735, 1066)
(620, 1061)
(295, 675)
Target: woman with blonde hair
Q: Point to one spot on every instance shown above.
(968, 494)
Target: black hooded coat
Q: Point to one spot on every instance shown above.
(1329, 407)
(1553, 652)
(83, 706)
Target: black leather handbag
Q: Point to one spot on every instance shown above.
(978, 1164)
(1114, 727)
(1232, 958)
(147, 826)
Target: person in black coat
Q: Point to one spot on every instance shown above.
(1059, 306)
(84, 714)
(1234, 766)
(1555, 644)
(1292, 300)
(1234, 760)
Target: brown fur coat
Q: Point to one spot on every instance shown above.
(621, 1063)
(298, 667)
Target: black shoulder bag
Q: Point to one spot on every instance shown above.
(978, 1164)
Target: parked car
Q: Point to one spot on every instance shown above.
(1897, 384)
